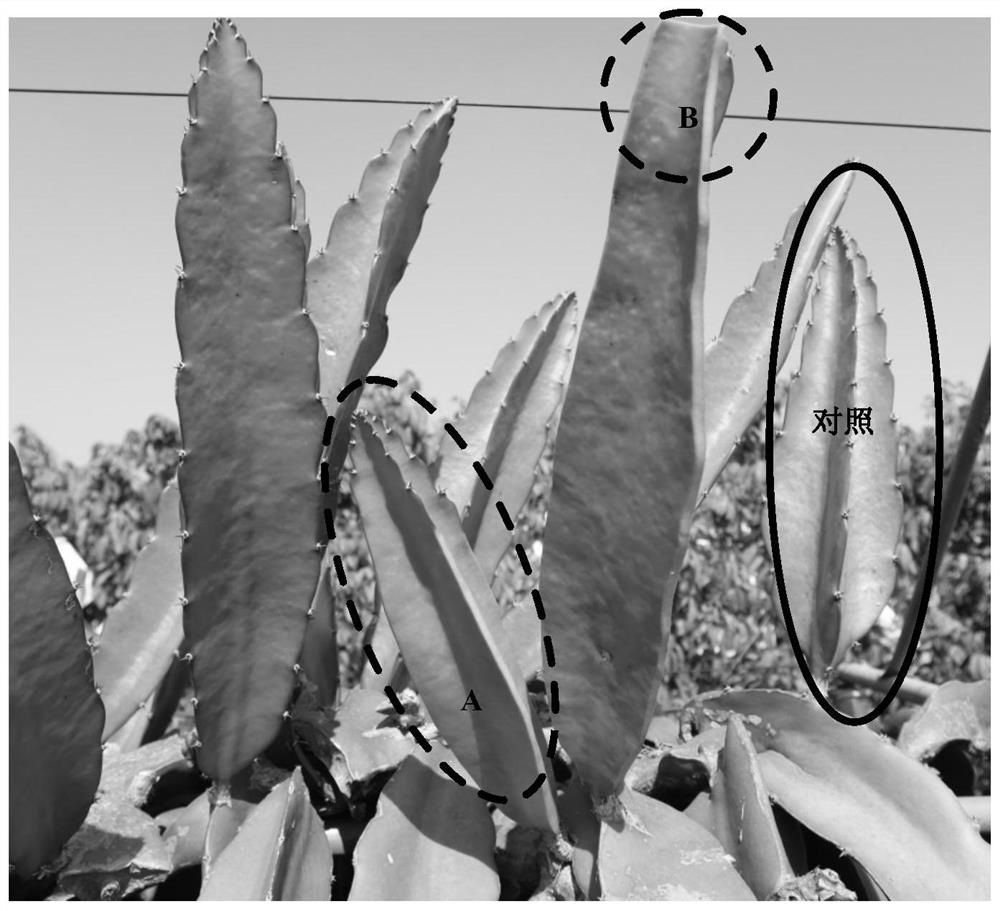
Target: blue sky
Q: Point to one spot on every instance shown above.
(520, 208)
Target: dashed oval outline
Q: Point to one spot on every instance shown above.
(487, 482)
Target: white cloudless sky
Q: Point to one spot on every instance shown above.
(520, 209)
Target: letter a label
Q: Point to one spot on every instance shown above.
(471, 703)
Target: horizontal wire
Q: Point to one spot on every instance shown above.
(513, 107)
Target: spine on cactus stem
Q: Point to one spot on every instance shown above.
(633, 410)
(251, 421)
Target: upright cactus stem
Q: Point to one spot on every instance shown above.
(736, 360)
(249, 418)
(838, 510)
(633, 408)
(56, 715)
(520, 395)
(370, 241)
(959, 475)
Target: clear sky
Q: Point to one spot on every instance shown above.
(519, 211)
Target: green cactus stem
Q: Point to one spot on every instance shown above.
(629, 454)
(447, 623)
(250, 419)
(959, 474)
(56, 715)
(142, 632)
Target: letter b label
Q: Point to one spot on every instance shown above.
(689, 117)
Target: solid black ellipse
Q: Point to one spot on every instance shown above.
(779, 577)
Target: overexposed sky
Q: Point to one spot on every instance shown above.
(519, 211)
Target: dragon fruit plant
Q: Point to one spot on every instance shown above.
(487, 754)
